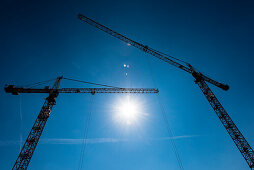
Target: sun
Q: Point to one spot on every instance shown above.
(127, 111)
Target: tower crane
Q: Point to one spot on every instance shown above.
(200, 79)
(30, 144)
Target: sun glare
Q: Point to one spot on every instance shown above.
(127, 111)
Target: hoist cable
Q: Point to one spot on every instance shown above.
(38, 83)
(171, 135)
(21, 123)
(84, 141)
(171, 57)
(164, 115)
(89, 82)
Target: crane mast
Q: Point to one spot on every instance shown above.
(239, 140)
(30, 144)
(200, 80)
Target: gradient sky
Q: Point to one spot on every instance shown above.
(41, 40)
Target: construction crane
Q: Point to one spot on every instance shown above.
(200, 79)
(30, 144)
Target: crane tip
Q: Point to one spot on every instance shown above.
(225, 87)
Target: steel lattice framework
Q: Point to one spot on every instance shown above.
(230, 126)
(29, 146)
(147, 49)
(12, 89)
(201, 80)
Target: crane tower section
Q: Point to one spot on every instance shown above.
(30, 144)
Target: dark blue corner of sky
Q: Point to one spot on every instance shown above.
(41, 40)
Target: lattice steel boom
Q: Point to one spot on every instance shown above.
(12, 89)
(28, 148)
(147, 49)
(31, 142)
(200, 79)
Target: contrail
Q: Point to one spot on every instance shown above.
(70, 141)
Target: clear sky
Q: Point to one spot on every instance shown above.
(41, 40)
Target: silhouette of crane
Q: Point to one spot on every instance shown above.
(200, 79)
(30, 144)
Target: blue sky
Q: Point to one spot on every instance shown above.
(41, 40)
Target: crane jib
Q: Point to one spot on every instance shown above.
(148, 50)
(15, 91)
